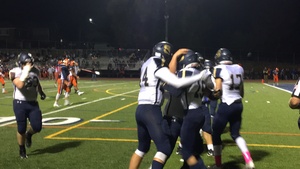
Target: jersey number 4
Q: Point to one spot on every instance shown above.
(145, 78)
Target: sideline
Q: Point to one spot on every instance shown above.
(279, 88)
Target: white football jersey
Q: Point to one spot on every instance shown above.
(150, 92)
(192, 97)
(296, 90)
(232, 77)
(153, 75)
(29, 92)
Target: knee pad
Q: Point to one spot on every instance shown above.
(139, 153)
(161, 156)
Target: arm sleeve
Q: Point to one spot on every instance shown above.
(165, 75)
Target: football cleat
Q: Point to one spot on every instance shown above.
(28, 140)
(250, 165)
(210, 152)
(214, 167)
(178, 151)
(23, 154)
(55, 105)
(79, 93)
(67, 102)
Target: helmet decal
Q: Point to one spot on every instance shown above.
(167, 49)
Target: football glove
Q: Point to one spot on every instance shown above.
(43, 95)
(25, 71)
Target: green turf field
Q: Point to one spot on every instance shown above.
(269, 127)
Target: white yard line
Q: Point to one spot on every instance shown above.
(78, 105)
(278, 88)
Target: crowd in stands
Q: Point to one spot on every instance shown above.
(119, 61)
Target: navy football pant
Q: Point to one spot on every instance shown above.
(227, 113)
(207, 123)
(30, 110)
(191, 140)
(172, 127)
(149, 126)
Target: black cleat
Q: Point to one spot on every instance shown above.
(23, 154)
(210, 152)
(178, 151)
(28, 141)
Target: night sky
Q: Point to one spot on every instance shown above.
(196, 24)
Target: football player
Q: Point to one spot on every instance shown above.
(148, 113)
(57, 71)
(73, 67)
(294, 101)
(63, 83)
(196, 115)
(275, 73)
(27, 85)
(230, 89)
(213, 103)
(2, 81)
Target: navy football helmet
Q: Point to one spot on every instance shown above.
(208, 64)
(189, 58)
(164, 49)
(24, 58)
(223, 56)
(201, 58)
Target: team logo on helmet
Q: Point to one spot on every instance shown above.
(218, 54)
(190, 59)
(223, 56)
(167, 49)
(182, 58)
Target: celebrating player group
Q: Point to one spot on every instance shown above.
(189, 87)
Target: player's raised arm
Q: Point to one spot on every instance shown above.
(175, 59)
(170, 78)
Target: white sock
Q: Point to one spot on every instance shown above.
(57, 97)
(210, 147)
(241, 143)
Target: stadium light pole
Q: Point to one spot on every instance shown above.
(166, 20)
